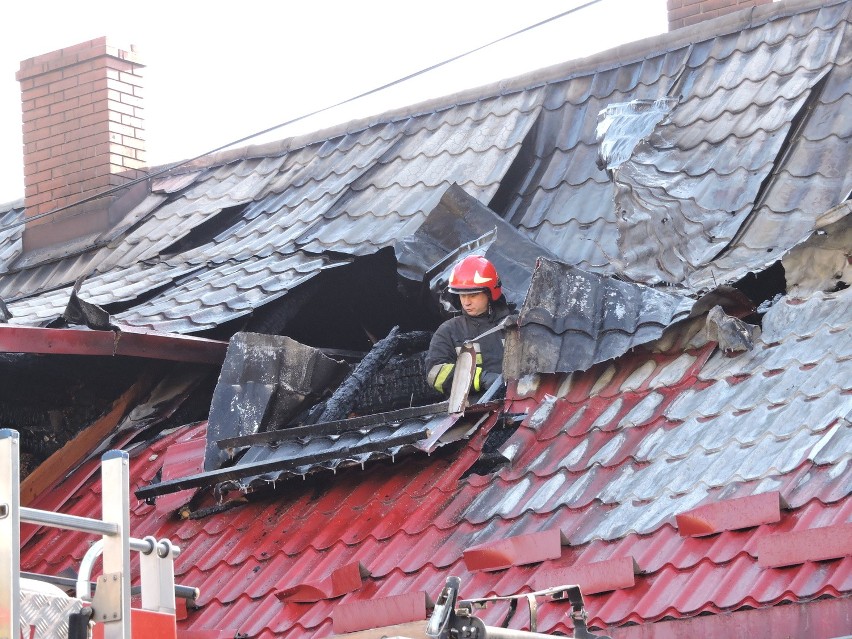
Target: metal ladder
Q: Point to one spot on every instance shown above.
(110, 605)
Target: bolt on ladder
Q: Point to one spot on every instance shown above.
(111, 603)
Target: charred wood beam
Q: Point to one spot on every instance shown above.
(337, 427)
(75, 451)
(344, 398)
(484, 407)
(271, 465)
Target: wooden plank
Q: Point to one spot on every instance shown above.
(74, 451)
(364, 614)
(412, 629)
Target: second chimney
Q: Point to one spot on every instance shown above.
(683, 13)
(83, 134)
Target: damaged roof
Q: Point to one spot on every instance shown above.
(572, 319)
(751, 148)
(654, 473)
(626, 195)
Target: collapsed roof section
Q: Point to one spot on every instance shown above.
(622, 461)
(266, 379)
(330, 446)
(274, 416)
(748, 152)
(459, 224)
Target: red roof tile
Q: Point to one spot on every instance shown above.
(515, 551)
(799, 546)
(182, 459)
(731, 514)
(388, 611)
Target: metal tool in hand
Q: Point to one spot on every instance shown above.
(466, 367)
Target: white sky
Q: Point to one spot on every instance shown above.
(217, 72)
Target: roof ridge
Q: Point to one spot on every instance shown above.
(532, 80)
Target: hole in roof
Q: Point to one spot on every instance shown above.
(764, 286)
(206, 231)
(513, 196)
(48, 398)
(490, 459)
(344, 311)
(349, 308)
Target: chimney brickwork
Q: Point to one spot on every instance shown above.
(83, 134)
(683, 13)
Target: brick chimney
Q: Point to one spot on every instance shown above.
(683, 13)
(82, 125)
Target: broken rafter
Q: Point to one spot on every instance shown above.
(272, 465)
(337, 427)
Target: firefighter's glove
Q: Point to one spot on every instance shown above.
(482, 379)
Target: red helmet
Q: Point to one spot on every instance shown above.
(474, 274)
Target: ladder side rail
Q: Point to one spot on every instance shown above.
(157, 560)
(115, 494)
(10, 535)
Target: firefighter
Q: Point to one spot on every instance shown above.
(475, 290)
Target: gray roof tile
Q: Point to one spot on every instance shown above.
(11, 233)
(683, 208)
(571, 320)
(748, 425)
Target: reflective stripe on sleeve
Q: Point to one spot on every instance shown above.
(438, 375)
(477, 379)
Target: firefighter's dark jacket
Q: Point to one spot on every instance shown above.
(451, 336)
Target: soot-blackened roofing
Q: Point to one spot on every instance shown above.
(572, 319)
(753, 150)
(608, 457)
(651, 426)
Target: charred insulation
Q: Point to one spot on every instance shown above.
(50, 398)
(357, 305)
(346, 308)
